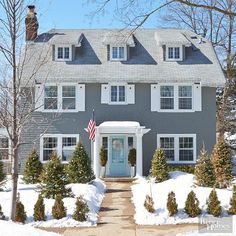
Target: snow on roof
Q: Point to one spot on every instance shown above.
(120, 124)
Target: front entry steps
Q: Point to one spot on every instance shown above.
(119, 179)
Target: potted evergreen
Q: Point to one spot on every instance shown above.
(103, 161)
(132, 161)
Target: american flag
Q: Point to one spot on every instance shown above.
(91, 128)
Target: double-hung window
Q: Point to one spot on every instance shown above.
(4, 149)
(118, 53)
(185, 97)
(178, 148)
(68, 97)
(63, 145)
(50, 97)
(63, 53)
(174, 53)
(118, 94)
(167, 97)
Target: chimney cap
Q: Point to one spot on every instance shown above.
(31, 6)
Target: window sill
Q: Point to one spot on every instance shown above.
(176, 111)
(171, 60)
(117, 103)
(59, 111)
(181, 162)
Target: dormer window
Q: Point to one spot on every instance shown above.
(174, 53)
(118, 53)
(63, 53)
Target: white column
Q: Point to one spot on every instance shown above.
(139, 154)
(96, 148)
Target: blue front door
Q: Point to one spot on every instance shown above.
(117, 156)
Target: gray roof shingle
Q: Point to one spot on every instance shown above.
(145, 63)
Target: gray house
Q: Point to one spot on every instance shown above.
(149, 88)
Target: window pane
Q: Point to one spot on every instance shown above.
(50, 91)
(167, 103)
(105, 142)
(66, 53)
(50, 103)
(121, 52)
(186, 155)
(67, 155)
(167, 91)
(4, 143)
(114, 52)
(69, 142)
(114, 93)
(68, 91)
(186, 142)
(185, 103)
(177, 53)
(60, 53)
(170, 53)
(121, 93)
(49, 142)
(167, 142)
(46, 154)
(68, 103)
(185, 91)
(4, 154)
(169, 154)
(130, 142)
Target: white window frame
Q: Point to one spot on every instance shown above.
(59, 98)
(63, 59)
(118, 59)
(176, 98)
(176, 146)
(59, 148)
(118, 102)
(180, 52)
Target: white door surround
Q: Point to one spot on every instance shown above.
(119, 128)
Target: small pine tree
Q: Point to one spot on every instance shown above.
(20, 211)
(204, 171)
(81, 210)
(192, 205)
(79, 168)
(58, 209)
(2, 216)
(159, 169)
(232, 209)
(39, 209)
(172, 206)
(33, 168)
(53, 178)
(213, 204)
(222, 163)
(149, 204)
(2, 173)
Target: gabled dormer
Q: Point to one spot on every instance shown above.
(64, 46)
(173, 46)
(118, 44)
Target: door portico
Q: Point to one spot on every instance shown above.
(121, 136)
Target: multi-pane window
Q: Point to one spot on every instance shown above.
(167, 97)
(186, 149)
(118, 53)
(50, 97)
(50, 145)
(117, 93)
(68, 97)
(63, 53)
(167, 144)
(173, 53)
(178, 147)
(185, 97)
(68, 147)
(4, 149)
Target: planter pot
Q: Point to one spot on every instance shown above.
(102, 171)
(132, 171)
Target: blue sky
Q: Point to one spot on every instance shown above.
(75, 14)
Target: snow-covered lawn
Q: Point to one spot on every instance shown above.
(181, 183)
(11, 229)
(92, 193)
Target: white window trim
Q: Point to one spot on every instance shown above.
(176, 98)
(63, 46)
(180, 52)
(118, 59)
(176, 146)
(59, 98)
(4, 134)
(117, 102)
(59, 143)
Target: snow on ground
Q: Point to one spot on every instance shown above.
(181, 183)
(92, 193)
(11, 229)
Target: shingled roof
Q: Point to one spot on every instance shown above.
(145, 63)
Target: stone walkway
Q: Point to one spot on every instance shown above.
(116, 217)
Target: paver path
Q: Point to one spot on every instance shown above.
(116, 217)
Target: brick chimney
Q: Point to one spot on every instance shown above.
(31, 24)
